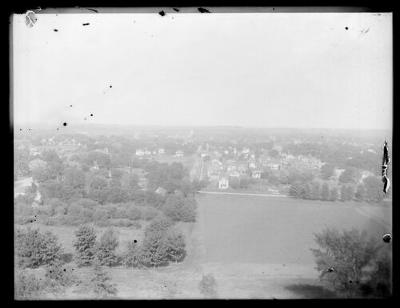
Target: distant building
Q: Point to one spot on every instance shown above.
(161, 191)
(223, 183)
(179, 153)
(256, 174)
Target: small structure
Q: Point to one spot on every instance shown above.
(179, 153)
(161, 191)
(256, 174)
(223, 183)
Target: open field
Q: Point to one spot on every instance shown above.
(273, 230)
(255, 246)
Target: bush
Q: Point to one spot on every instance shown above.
(105, 249)
(27, 286)
(346, 259)
(175, 246)
(208, 286)
(34, 249)
(100, 283)
(133, 255)
(58, 277)
(85, 245)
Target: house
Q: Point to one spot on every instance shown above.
(256, 174)
(161, 191)
(273, 166)
(223, 183)
(234, 174)
(179, 153)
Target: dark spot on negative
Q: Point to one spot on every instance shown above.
(70, 105)
(387, 238)
(135, 241)
(20, 129)
(162, 13)
(202, 10)
(55, 30)
(110, 86)
(86, 24)
(347, 28)
(91, 114)
(175, 9)
(65, 270)
(65, 123)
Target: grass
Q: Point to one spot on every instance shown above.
(255, 247)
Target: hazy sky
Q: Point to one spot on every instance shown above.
(253, 69)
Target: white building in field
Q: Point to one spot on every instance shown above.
(223, 183)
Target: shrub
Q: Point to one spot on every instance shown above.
(100, 283)
(208, 286)
(85, 245)
(27, 286)
(133, 255)
(58, 277)
(105, 249)
(34, 249)
(175, 246)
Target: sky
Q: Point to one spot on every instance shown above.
(298, 70)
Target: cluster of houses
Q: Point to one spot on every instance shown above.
(145, 153)
(222, 166)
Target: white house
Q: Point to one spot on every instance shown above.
(223, 183)
(179, 153)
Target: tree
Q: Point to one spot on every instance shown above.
(33, 248)
(350, 175)
(343, 259)
(39, 170)
(175, 245)
(85, 245)
(360, 192)
(334, 195)
(179, 208)
(105, 250)
(373, 189)
(100, 282)
(133, 255)
(327, 171)
(208, 286)
(325, 192)
(315, 191)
